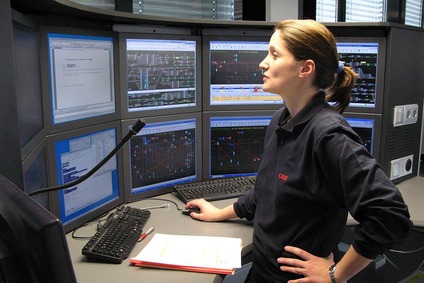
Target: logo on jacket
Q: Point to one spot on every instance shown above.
(283, 177)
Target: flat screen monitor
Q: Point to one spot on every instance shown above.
(33, 247)
(28, 80)
(366, 56)
(233, 142)
(231, 73)
(72, 155)
(160, 73)
(166, 152)
(368, 127)
(81, 76)
(35, 173)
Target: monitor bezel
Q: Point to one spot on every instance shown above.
(150, 33)
(27, 162)
(34, 240)
(206, 145)
(51, 127)
(27, 25)
(377, 134)
(381, 65)
(53, 175)
(241, 35)
(126, 160)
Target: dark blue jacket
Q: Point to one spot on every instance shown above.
(314, 171)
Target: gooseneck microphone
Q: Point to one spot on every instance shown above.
(133, 131)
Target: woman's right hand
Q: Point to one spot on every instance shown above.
(209, 212)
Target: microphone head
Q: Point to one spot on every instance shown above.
(138, 126)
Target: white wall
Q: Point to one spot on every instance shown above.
(277, 10)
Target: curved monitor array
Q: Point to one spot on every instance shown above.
(200, 95)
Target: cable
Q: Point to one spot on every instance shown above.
(400, 269)
(165, 205)
(96, 221)
(167, 200)
(133, 131)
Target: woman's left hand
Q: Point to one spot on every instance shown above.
(312, 268)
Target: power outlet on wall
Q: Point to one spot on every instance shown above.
(405, 115)
(401, 166)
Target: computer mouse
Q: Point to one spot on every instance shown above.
(190, 210)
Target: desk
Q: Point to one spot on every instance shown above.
(413, 194)
(170, 221)
(412, 191)
(165, 220)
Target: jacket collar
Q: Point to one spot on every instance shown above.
(310, 110)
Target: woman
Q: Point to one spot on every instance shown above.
(314, 171)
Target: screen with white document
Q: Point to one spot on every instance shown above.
(73, 154)
(80, 68)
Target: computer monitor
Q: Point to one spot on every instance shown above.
(366, 56)
(81, 74)
(166, 152)
(35, 173)
(368, 127)
(28, 80)
(33, 247)
(71, 155)
(233, 142)
(160, 72)
(231, 74)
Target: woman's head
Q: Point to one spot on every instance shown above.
(310, 40)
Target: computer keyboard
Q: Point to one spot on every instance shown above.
(216, 189)
(117, 236)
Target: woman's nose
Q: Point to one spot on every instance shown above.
(263, 65)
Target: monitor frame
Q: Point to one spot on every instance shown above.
(206, 143)
(26, 25)
(129, 195)
(235, 35)
(34, 240)
(381, 65)
(377, 133)
(27, 163)
(53, 176)
(50, 125)
(156, 33)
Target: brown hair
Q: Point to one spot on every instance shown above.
(308, 39)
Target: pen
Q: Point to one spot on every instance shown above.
(144, 235)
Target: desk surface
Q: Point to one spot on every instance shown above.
(165, 220)
(170, 221)
(412, 191)
(413, 194)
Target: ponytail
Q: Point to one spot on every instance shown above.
(341, 89)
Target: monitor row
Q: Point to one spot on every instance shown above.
(169, 150)
(79, 91)
(93, 76)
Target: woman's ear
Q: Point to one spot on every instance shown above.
(308, 68)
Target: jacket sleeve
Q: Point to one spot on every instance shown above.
(245, 206)
(360, 185)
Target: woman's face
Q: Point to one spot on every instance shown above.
(280, 69)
